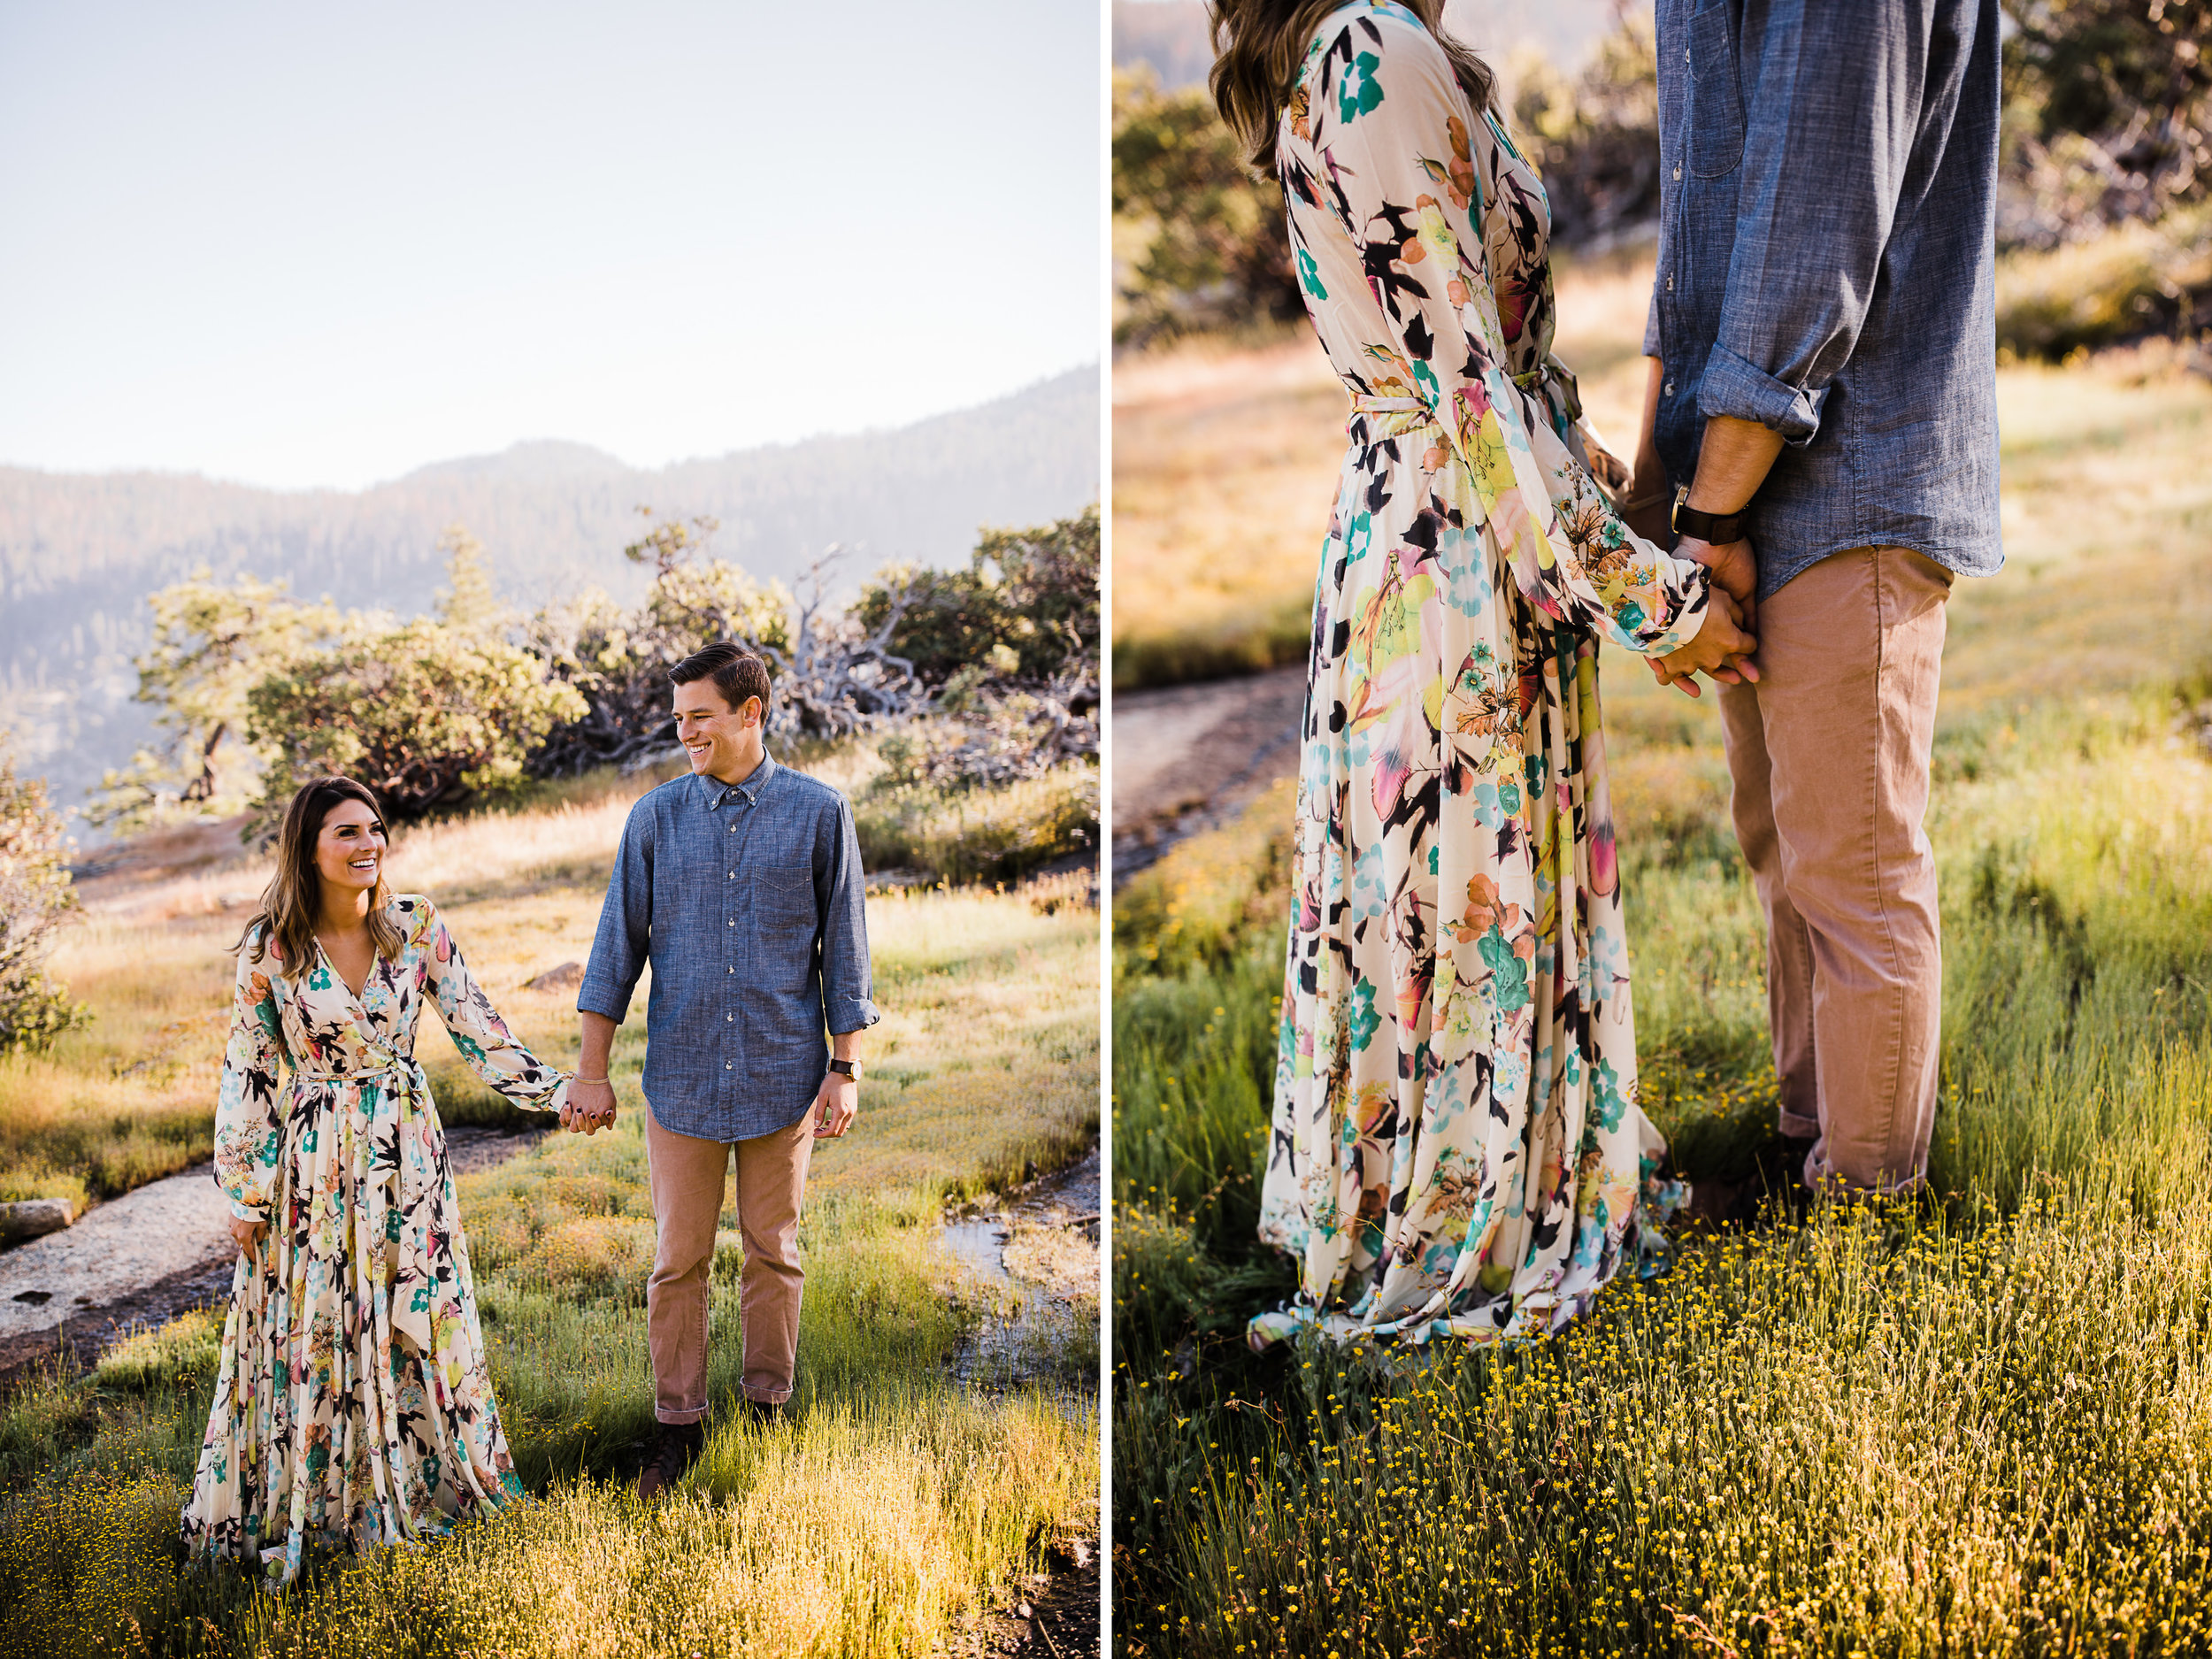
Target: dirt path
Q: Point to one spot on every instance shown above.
(144, 1258)
(1190, 757)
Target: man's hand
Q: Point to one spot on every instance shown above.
(1722, 648)
(248, 1234)
(591, 1107)
(836, 1106)
(1735, 567)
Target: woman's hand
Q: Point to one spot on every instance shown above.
(1722, 648)
(248, 1233)
(591, 1107)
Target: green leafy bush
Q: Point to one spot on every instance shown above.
(428, 715)
(1026, 607)
(1595, 138)
(36, 897)
(1210, 246)
(2137, 279)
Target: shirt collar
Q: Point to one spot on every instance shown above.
(714, 792)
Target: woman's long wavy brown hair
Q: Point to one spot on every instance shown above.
(293, 899)
(1259, 44)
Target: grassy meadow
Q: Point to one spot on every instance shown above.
(1976, 1424)
(895, 1504)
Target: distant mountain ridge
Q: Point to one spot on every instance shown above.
(79, 553)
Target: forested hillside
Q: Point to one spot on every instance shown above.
(80, 553)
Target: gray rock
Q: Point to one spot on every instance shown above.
(32, 1218)
(118, 1249)
(567, 977)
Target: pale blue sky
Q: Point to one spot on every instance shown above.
(310, 244)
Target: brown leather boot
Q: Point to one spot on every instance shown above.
(678, 1443)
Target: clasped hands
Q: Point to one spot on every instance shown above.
(590, 1108)
(1723, 646)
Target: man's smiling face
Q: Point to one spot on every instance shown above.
(722, 741)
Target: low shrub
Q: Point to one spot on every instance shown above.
(2137, 279)
(968, 834)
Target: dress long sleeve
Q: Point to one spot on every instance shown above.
(249, 1128)
(493, 1052)
(1398, 175)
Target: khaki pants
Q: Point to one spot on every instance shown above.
(1829, 756)
(686, 1175)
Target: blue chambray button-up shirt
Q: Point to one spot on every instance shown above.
(747, 900)
(1827, 267)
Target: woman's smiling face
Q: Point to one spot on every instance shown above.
(349, 848)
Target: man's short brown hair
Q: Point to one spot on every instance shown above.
(736, 673)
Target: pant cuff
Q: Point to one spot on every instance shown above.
(689, 1415)
(1797, 1127)
(767, 1396)
(1820, 1176)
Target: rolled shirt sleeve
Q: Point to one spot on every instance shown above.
(1832, 97)
(620, 947)
(841, 899)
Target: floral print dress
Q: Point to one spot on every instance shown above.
(1457, 1146)
(354, 1404)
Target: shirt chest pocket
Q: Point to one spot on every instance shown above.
(1716, 123)
(783, 889)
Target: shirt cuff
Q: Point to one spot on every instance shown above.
(1731, 387)
(850, 1014)
(246, 1212)
(1690, 620)
(602, 1000)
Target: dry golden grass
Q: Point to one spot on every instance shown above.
(1225, 464)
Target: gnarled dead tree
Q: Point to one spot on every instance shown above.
(839, 677)
(832, 674)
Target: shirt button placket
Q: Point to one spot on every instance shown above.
(738, 803)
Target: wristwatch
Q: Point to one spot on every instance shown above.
(846, 1068)
(1717, 529)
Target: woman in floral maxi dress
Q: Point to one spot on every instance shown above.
(1456, 1147)
(354, 1404)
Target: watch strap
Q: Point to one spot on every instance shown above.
(1717, 529)
(845, 1068)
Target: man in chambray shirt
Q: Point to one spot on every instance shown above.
(1821, 417)
(741, 885)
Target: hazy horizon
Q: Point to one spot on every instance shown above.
(439, 463)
